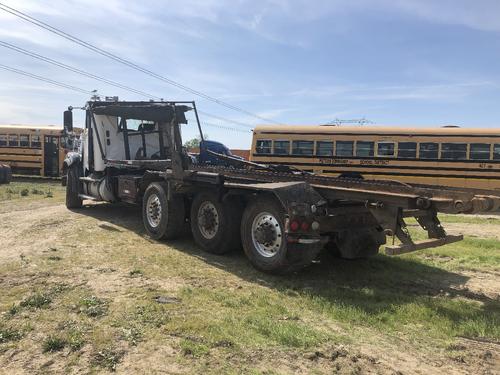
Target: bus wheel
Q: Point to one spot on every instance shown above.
(363, 243)
(162, 218)
(215, 224)
(72, 187)
(265, 243)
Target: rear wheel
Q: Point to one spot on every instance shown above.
(163, 218)
(73, 187)
(265, 243)
(215, 224)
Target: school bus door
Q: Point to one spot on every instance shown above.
(51, 156)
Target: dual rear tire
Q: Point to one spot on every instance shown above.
(265, 242)
(215, 223)
(163, 218)
(221, 225)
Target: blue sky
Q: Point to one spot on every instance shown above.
(394, 62)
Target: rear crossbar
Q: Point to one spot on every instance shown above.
(420, 245)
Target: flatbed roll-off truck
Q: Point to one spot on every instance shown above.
(282, 217)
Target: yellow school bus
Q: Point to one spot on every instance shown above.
(447, 156)
(33, 150)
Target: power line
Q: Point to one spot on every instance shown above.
(48, 80)
(227, 120)
(75, 70)
(78, 89)
(105, 80)
(225, 127)
(123, 61)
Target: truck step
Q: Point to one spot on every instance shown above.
(420, 245)
(87, 197)
(88, 179)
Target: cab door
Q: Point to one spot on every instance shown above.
(51, 156)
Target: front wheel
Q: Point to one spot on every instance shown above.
(265, 241)
(163, 218)
(73, 199)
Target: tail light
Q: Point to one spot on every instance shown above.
(294, 225)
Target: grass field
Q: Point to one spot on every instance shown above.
(87, 291)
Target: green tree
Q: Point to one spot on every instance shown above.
(195, 142)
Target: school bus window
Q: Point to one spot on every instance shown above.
(324, 148)
(13, 140)
(496, 151)
(365, 149)
(407, 150)
(454, 151)
(429, 150)
(385, 149)
(281, 147)
(263, 146)
(479, 151)
(344, 148)
(3, 140)
(302, 147)
(24, 140)
(35, 141)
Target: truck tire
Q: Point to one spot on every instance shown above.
(265, 243)
(72, 188)
(358, 244)
(215, 224)
(163, 218)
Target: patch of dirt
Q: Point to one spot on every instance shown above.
(474, 230)
(482, 283)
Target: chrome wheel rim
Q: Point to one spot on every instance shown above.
(208, 220)
(153, 210)
(267, 236)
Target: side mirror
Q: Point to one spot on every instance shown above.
(68, 121)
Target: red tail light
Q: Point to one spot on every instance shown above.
(304, 226)
(294, 226)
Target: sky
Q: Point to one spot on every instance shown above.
(393, 62)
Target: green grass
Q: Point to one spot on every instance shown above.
(471, 219)
(225, 316)
(470, 254)
(107, 358)
(31, 190)
(8, 334)
(92, 306)
(53, 344)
